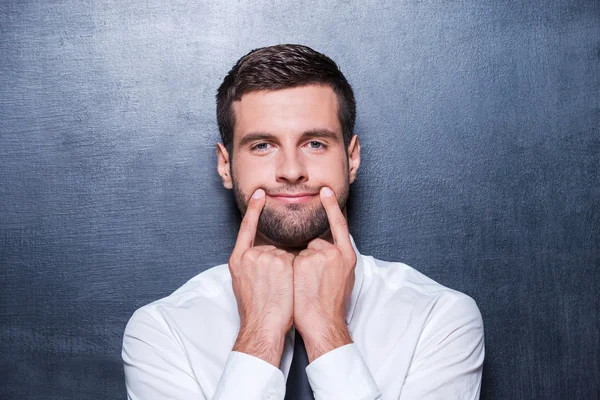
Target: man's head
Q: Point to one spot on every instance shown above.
(286, 117)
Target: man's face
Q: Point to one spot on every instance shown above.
(289, 143)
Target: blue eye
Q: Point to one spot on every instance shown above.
(261, 146)
(316, 145)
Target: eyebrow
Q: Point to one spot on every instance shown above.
(313, 133)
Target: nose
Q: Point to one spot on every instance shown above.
(291, 168)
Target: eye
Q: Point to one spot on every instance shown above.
(260, 146)
(316, 145)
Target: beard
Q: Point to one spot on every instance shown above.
(292, 225)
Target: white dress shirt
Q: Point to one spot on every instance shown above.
(413, 339)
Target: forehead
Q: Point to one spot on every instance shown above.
(287, 111)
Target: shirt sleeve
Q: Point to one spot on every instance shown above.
(342, 374)
(249, 377)
(157, 368)
(449, 360)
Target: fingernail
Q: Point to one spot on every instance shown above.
(327, 192)
(258, 194)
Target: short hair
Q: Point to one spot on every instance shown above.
(282, 67)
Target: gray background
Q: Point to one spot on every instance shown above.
(480, 127)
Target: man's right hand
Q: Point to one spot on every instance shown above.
(262, 280)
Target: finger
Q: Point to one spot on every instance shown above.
(337, 221)
(265, 248)
(289, 257)
(278, 252)
(305, 253)
(247, 233)
(318, 244)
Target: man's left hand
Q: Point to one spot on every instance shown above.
(323, 282)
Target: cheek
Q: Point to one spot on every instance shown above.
(250, 176)
(329, 172)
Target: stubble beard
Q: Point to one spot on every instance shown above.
(292, 225)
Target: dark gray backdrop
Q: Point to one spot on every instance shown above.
(479, 122)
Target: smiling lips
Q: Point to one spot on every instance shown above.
(294, 197)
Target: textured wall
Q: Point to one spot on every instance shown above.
(480, 126)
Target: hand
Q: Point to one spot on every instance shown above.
(262, 280)
(323, 282)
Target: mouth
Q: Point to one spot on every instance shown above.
(293, 198)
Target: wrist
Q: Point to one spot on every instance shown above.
(325, 339)
(262, 343)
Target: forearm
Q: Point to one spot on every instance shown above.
(329, 337)
(261, 343)
(252, 368)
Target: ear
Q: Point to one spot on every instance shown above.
(353, 158)
(224, 166)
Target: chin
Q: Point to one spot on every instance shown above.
(287, 242)
(291, 238)
(294, 226)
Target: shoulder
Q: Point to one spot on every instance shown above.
(202, 294)
(402, 284)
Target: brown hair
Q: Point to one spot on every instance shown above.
(282, 67)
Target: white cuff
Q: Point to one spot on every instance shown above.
(249, 377)
(342, 374)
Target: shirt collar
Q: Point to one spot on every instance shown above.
(358, 281)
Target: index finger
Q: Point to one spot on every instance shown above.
(337, 222)
(247, 233)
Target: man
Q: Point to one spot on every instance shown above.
(298, 309)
